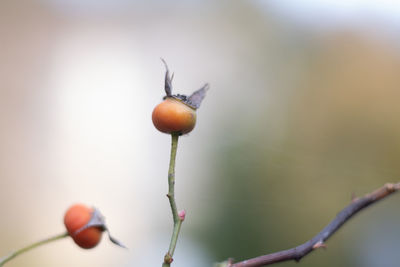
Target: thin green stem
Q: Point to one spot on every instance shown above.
(32, 246)
(171, 196)
(174, 238)
(171, 178)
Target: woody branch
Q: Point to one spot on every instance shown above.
(318, 241)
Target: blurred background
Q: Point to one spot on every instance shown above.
(302, 113)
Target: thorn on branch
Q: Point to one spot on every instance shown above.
(354, 197)
(319, 244)
(390, 187)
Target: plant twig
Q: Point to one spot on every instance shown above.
(32, 246)
(168, 258)
(297, 253)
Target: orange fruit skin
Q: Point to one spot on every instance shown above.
(173, 116)
(75, 218)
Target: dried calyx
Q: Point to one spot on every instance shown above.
(193, 101)
(98, 220)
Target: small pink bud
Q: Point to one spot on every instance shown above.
(182, 215)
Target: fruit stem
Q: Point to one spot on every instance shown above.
(31, 246)
(171, 196)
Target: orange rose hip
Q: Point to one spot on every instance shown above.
(76, 217)
(174, 116)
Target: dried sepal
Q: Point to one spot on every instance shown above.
(194, 100)
(115, 241)
(197, 97)
(98, 220)
(168, 80)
